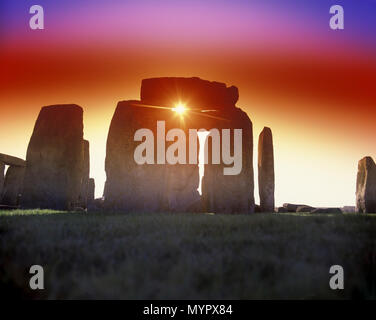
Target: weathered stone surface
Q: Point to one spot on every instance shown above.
(2, 177)
(91, 191)
(149, 187)
(12, 161)
(327, 210)
(292, 207)
(13, 186)
(85, 175)
(55, 159)
(281, 210)
(173, 188)
(193, 91)
(305, 209)
(366, 186)
(130, 187)
(230, 193)
(266, 170)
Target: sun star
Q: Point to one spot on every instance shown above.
(179, 108)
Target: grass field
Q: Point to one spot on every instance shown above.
(186, 256)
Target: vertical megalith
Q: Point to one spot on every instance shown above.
(2, 169)
(13, 185)
(126, 186)
(90, 191)
(130, 186)
(55, 159)
(366, 186)
(266, 170)
(233, 192)
(85, 175)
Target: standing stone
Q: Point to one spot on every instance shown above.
(230, 194)
(91, 191)
(366, 186)
(85, 175)
(55, 159)
(2, 169)
(173, 188)
(266, 170)
(131, 187)
(13, 185)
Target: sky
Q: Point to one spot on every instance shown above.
(313, 86)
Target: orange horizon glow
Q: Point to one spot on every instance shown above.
(312, 165)
(317, 140)
(313, 87)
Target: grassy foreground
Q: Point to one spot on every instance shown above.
(186, 256)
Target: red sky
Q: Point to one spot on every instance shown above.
(317, 95)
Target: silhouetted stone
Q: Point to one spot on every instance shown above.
(2, 170)
(305, 209)
(85, 176)
(230, 193)
(281, 210)
(366, 186)
(12, 161)
(290, 207)
(129, 186)
(195, 92)
(266, 170)
(150, 188)
(173, 188)
(55, 159)
(90, 191)
(13, 185)
(327, 210)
